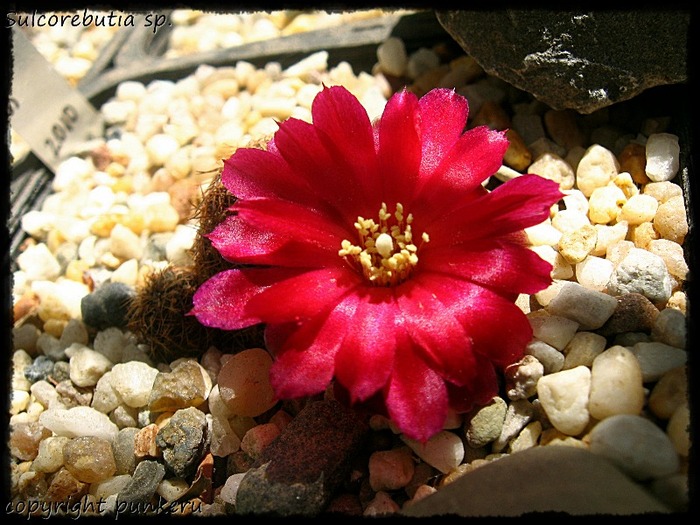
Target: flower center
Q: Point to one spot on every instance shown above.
(385, 253)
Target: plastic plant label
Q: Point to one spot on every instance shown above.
(46, 111)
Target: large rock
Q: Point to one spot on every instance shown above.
(558, 479)
(581, 60)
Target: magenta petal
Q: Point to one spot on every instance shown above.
(512, 206)
(443, 118)
(220, 302)
(416, 396)
(400, 147)
(366, 356)
(255, 173)
(303, 296)
(498, 328)
(304, 364)
(437, 334)
(504, 267)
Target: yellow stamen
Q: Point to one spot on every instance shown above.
(385, 253)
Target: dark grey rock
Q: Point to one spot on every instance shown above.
(184, 441)
(299, 472)
(581, 60)
(107, 306)
(39, 370)
(144, 482)
(123, 450)
(542, 479)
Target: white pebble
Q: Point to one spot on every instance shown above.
(635, 445)
(224, 440)
(594, 273)
(134, 381)
(642, 272)
(230, 488)
(605, 204)
(662, 153)
(564, 398)
(38, 263)
(444, 451)
(554, 330)
(616, 384)
(124, 243)
(552, 359)
(110, 486)
(583, 349)
(79, 421)
(596, 169)
(160, 147)
(638, 209)
(86, 365)
(50, 456)
(105, 398)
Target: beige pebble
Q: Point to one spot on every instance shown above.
(673, 256)
(517, 156)
(594, 272)
(583, 348)
(569, 220)
(554, 330)
(528, 437)
(669, 393)
(662, 191)
(543, 234)
(596, 169)
(643, 234)
(576, 245)
(444, 451)
(623, 180)
(561, 268)
(638, 209)
(616, 384)
(605, 204)
(671, 220)
(124, 243)
(564, 398)
(392, 56)
(551, 166)
(608, 235)
(678, 430)
(244, 383)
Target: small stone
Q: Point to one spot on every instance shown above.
(609, 235)
(583, 349)
(635, 445)
(673, 256)
(594, 273)
(517, 156)
(381, 505)
(186, 386)
(518, 414)
(590, 309)
(50, 456)
(597, 168)
(577, 244)
(486, 423)
(564, 398)
(112, 486)
(638, 209)
(527, 438)
(145, 442)
(183, 441)
(107, 306)
(392, 57)
(390, 469)
(616, 384)
(605, 204)
(669, 393)
(551, 166)
(25, 439)
(74, 332)
(561, 269)
(671, 220)
(258, 438)
(670, 327)
(678, 430)
(244, 383)
(86, 365)
(124, 450)
(530, 127)
(421, 61)
(224, 441)
(554, 330)
(72, 395)
(570, 220)
(662, 156)
(551, 359)
(634, 313)
(663, 191)
(562, 126)
(521, 378)
(656, 359)
(65, 487)
(444, 450)
(642, 234)
(642, 272)
(45, 393)
(38, 263)
(139, 491)
(39, 370)
(78, 421)
(89, 459)
(633, 161)
(133, 381)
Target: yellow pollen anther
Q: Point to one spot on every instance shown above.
(385, 253)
